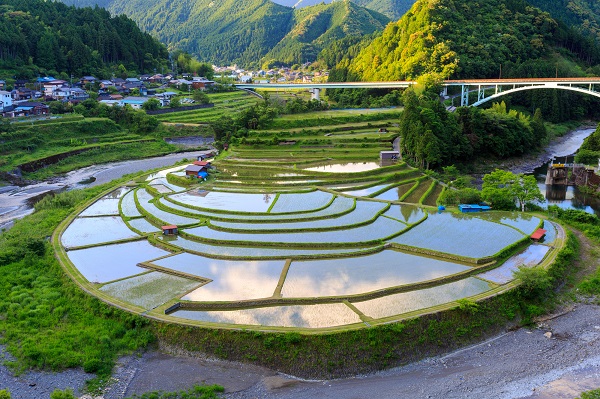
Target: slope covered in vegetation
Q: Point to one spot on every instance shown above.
(38, 34)
(230, 31)
(461, 39)
(318, 26)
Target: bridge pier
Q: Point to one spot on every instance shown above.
(316, 94)
(464, 95)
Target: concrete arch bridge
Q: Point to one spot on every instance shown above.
(487, 89)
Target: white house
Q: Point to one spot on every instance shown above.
(5, 100)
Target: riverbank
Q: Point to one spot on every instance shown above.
(17, 202)
(561, 146)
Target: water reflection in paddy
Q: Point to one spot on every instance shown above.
(345, 167)
(113, 262)
(366, 191)
(415, 300)
(529, 257)
(255, 252)
(349, 276)
(86, 231)
(302, 316)
(235, 202)
(232, 280)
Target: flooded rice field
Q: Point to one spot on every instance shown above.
(113, 262)
(352, 167)
(229, 280)
(246, 251)
(351, 276)
(416, 300)
(300, 316)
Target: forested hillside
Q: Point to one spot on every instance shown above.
(232, 31)
(35, 34)
(394, 9)
(319, 26)
(583, 15)
(472, 38)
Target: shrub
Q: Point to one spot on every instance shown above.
(66, 394)
(4, 394)
(535, 281)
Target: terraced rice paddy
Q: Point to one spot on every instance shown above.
(470, 236)
(290, 259)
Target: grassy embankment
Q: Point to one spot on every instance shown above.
(48, 147)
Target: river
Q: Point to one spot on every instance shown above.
(17, 202)
(568, 197)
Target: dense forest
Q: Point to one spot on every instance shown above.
(37, 36)
(582, 15)
(317, 27)
(231, 31)
(430, 135)
(476, 38)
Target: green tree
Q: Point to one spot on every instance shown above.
(200, 97)
(503, 189)
(151, 104)
(525, 189)
(4, 394)
(175, 103)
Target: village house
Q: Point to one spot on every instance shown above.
(5, 100)
(87, 79)
(30, 109)
(201, 83)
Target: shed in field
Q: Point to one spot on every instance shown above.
(170, 230)
(389, 155)
(538, 234)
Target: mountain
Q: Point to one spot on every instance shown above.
(473, 39)
(317, 27)
(393, 9)
(231, 31)
(582, 15)
(42, 36)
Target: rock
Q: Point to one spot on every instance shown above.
(548, 335)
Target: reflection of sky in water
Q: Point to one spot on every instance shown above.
(550, 232)
(149, 290)
(410, 301)
(301, 202)
(282, 253)
(143, 225)
(364, 211)
(306, 316)
(366, 191)
(460, 234)
(128, 205)
(406, 213)
(112, 262)
(168, 218)
(382, 227)
(107, 206)
(345, 168)
(232, 280)
(97, 230)
(339, 205)
(530, 257)
(521, 221)
(393, 194)
(348, 276)
(236, 202)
